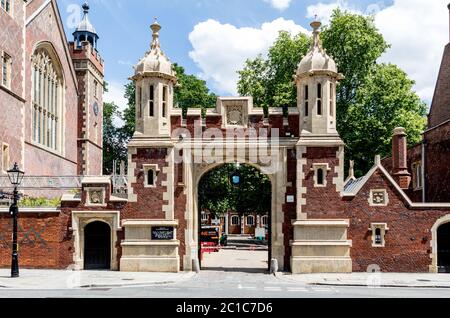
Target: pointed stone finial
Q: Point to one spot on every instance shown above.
(316, 33)
(378, 160)
(85, 7)
(156, 27)
(351, 172)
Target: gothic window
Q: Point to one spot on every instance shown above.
(320, 174)
(95, 89)
(6, 5)
(320, 177)
(331, 99)
(164, 102)
(250, 220)
(151, 102)
(378, 234)
(319, 99)
(47, 99)
(235, 220)
(150, 175)
(6, 70)
(306, 101)
(139, 101)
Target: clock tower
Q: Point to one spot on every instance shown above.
(90, 75)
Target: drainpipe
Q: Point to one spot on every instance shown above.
(424, 192)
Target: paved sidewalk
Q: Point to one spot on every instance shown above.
(372, 280)
(67, 279)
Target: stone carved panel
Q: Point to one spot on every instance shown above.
(235, 115)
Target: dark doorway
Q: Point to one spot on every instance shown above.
(97, 246)
(444, 248)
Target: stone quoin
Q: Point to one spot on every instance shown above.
(321, 221)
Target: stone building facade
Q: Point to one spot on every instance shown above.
(319, 222)
(48, 124)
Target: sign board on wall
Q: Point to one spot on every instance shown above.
(162, 233)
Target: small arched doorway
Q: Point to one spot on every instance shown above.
(443, 242)
(97, 246)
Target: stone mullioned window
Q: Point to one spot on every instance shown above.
(47, 100)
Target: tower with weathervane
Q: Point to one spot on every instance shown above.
(89, 69)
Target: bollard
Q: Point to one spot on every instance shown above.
(273, 266)
(196, 265)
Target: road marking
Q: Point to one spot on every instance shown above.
(298, 290)
(244, 287)
(323, 290)
(277, 289)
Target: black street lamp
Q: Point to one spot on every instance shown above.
(15, 176)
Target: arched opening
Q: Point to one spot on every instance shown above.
(237, 236)
(443, 244)
(97, 246)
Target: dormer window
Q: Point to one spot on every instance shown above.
(164, 102)
(151, 102)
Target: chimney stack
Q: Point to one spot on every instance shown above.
(400, 158)
(448, 6)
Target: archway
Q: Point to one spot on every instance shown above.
(234, 218)
(97, 246)
(443, 245)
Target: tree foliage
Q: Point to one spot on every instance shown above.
(372, 99)
(218, 195)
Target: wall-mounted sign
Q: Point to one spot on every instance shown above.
(290, 199)
(162, 233)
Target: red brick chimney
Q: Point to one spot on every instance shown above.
(400, 158)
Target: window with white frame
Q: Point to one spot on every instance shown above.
(235, 220)
(6, 70)
(47, 96)
(150, 175)
(378, 234)
(265, 220)
(250, 220)
(6, 5)
(5, 157)
(320, 174)
(417, 175)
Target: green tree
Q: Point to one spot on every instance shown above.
(384, 101)
(356, 44)
(218, 195)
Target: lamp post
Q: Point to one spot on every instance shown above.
(15, 177)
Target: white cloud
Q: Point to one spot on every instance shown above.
(116, 92)
(279, 4)
(418, 32)
(220, 50)
(416, 29)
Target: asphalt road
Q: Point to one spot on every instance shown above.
(215, 284)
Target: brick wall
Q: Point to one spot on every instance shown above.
(407, 247)
(150, 200)
(440, 110)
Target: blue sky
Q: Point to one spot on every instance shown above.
(210, 38)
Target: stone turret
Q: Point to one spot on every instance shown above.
(155, 79)
(316, 79)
